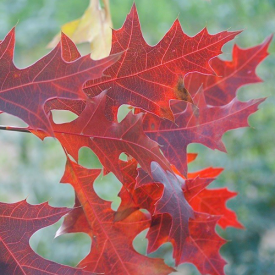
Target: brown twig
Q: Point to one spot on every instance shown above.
(15, 129)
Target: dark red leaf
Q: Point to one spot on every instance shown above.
(18, 222)
(200, 250)
(203, 124)
(132, 197)
(24, 92)
(172, 202)
(108, 139)
(69, 53)
(203, 244)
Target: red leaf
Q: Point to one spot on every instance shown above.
(221, 88)
(112, 251)
(209, 172)
(172, 202)
(193, 187)
(149, 77)
(69, 53)
(108, 139)
(18, 222)
(198, 247)
(146, 197)
(159, 231)
(182, 210)
(23, 93)
(202, 246)
(213, 201)
(132, 198)
(205, 124)
(75, 221)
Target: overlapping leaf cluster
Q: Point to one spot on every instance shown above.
(181, 93)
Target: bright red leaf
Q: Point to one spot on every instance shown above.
(149, 77)
(213, 201)
(24, 92)
(18, 222)
(221, 88)
(112, 251)
(205, 173)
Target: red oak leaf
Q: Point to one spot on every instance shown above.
(159, 231)
(172, 202)
(18, 222)
(149, 77)
(134, 198)
(199, 251)
(209, 172)
(23, 92)
(203, 124)
(109, 139)
(75, 221)
(192, 187)
(213, 201)
(203, 244)
(221, 88)
(146, 197)
(112, 251)
(69, 53)
(191, 157)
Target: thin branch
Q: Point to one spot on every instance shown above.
(15, 129)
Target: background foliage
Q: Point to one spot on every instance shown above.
(30, 168)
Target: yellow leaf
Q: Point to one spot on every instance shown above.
(93, 27)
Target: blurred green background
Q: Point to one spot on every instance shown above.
(31, 168)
